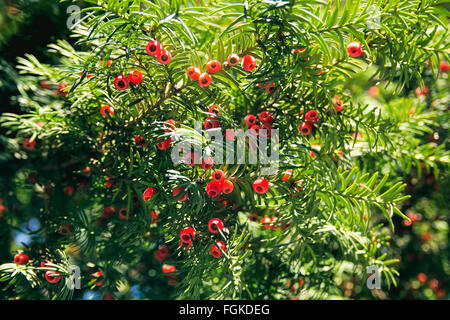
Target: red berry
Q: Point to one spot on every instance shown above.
(213, 66)
(218, 175)
(123, 214)
(214, 188)
(162, 253)
(207, 163)
(338, 104)
(433, 284)
(287, 175)
(69, 190)
(211, 123)
(45, 84)
(164, 145)
(86, 171)
(28, 144)
(422, 277)
(110, 182)
(215, 251)
(193, 72)
(214, 109)
(266, 117)
(135, 76)
(225, 203)
(214, 225)
(121, 82)
(312, 116)
(154, 217)
(444, 66)
(261, 185)
(253, 217)
(108, 63)
(421, 91)
(265, 223)
(186, 234)
(167, 268)
(354, 49)
(61, 91)
(65, 229)
(426, 236)
(176, 191)
(305, 128)
(205, 80)
(250, 120)
(164, 57)
(227, 186)
(21, 259)
(3, 209)
(148, 193)
(51, 276)
(139, 141)
(249, 63)
(108, 212)
(153, 48)
(254, 129)
(106, 110)
(233, 59)
(170, 125)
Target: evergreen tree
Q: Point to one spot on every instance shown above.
(94, 149)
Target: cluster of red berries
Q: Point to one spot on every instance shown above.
(264, 128)
(122, 82)
(187, 235)
(50, 276)
(214, 66)
(311, 118)
(150, 192)
(433, 284)
(155, 49)
(218, 184)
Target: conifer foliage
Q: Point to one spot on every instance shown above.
(98, 130)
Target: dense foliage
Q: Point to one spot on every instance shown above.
(93, 181)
